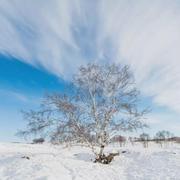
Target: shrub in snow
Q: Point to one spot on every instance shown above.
(38, 141)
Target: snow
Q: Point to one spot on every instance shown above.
(49, 162)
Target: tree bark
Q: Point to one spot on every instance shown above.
(101, 150)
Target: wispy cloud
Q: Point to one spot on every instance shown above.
(14, 95)
(59, 35)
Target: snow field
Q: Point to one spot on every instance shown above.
(48, 162)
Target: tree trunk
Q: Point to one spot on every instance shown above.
(101, 150)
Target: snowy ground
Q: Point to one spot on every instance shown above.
(49, 162)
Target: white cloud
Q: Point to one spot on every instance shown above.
(37, 32)
(59, 35)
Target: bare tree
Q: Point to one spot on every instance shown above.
(144, 138)
(163, 137)
(119, 139)
(102, 103)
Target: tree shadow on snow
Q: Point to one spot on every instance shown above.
(87, 157)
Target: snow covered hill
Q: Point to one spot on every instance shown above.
(49, 162)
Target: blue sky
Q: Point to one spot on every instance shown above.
(22, 88)
(43, 42)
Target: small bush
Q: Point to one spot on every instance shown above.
(38, 141)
